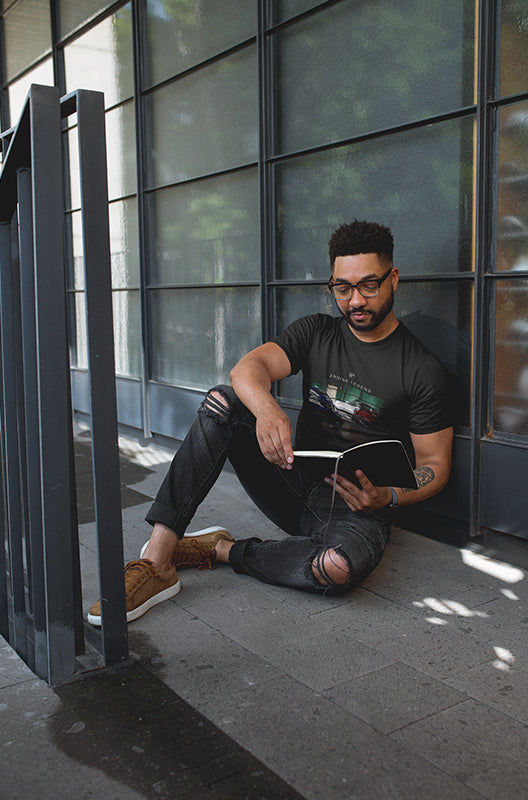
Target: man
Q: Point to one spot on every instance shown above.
(365, 378)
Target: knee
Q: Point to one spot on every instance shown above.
(331, 568)
(218, 403)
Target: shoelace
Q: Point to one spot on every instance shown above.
(197, 556)
(135, 573)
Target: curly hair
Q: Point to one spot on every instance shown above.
(361, 237)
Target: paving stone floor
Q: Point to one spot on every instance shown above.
(415, 685)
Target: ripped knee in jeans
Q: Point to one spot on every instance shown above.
(217, 404)
(331, 568)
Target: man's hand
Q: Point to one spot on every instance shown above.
(274, 434)
(368, 498)
(251, 379)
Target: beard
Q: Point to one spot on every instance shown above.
(374, 318)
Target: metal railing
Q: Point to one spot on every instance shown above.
(41, 612)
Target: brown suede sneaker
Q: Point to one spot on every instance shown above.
(197, 549)
(145, 586)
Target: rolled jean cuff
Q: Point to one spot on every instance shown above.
(238, 552)
(165, 516)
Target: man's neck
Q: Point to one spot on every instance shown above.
(388, 326)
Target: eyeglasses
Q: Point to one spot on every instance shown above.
(342, 290)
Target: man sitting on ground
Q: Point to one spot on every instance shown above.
(393, 388)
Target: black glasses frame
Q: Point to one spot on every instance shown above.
(352, 286)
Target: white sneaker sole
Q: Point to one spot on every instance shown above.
(214, 529)
(170, 591)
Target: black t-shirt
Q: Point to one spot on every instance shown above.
(355, 391)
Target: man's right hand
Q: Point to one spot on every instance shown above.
(252, 378)
(274, 434)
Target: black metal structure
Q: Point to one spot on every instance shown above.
(40, 578)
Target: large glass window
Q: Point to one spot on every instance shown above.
(27, 35)
(101, 59)
(513, 47)
(18, 90)
(72, 13)
(419, 183)
(198, 334)
(206, 231)
(512, 205)
(356, 67)
(206, 121)
(182, 35)
(510, 408)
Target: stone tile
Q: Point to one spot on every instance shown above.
(194, 659)
(47, 752)
(255, 620)
(394, 696)
(414, 568)
(475, 744)
(327, 659)
(12, 669)
(501, 684)
(326, 752)
(442, 652)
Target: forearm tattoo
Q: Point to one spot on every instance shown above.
(423, 475)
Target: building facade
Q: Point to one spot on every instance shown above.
(240, 133)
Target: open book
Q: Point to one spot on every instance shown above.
(385, 463)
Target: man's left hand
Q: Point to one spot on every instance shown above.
(368, 498)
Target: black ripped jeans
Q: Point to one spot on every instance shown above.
(296, 502)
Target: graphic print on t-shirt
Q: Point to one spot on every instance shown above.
(342, 401)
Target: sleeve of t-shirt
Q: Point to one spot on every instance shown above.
(296, 340)
(431, 406)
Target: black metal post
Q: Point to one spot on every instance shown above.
(96, 247)
(12, 394)
(31, 455)
(56, 435)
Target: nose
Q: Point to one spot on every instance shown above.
(356, 298)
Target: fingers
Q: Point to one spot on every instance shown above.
(366, 498)
(274, 437)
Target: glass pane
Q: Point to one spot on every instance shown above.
(438, 314)
(74, 250)
(124, 246)
(124, 243)
(120, 154)
(197, 335)
(514, 47)
(121, 151)
(72, 168)
(386, 76)
(419, 183)
(512, 205)
(284, 9)
(18, 91)
(27, 35)
(101, 59)
(72, 14)
(510, 410)
(206, 231)
(78, 335)
(184, 34)
(127, 333)
(205, 122)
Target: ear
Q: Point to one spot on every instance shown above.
(395, 277)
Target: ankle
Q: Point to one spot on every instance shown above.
(222, 549)
(160, 547)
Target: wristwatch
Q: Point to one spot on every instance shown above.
(394, 501)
